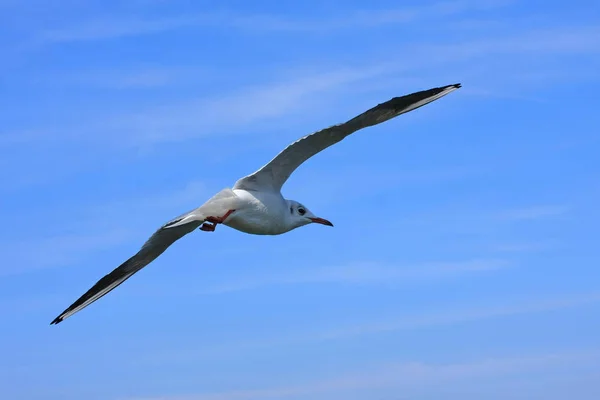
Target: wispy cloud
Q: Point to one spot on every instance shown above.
(117, 28)
(281, 102)
(135, 208)
(533, 213)
(447, 317)
(363, 274)
(18, 137)
(99, 228)
(460, 316)
(525, 247)
(123, 26)
(332, 181)
(366, 18)
(203, 116)
(294, 95)
(302, 93)
(25, 256)
(412, 378)
(478, 220)
(136, 77)
(537, 40)
(243, 108)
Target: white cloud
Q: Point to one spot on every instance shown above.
(134, 208)
(412, 378)
(19, 137)
(362, 273)
(458, 316)
(365, 18)
(250, 105)
(115, 28)
(472, 219)
(123, 26)
(294, 96)
(524, 247)
(533, 213)
(142, 77)
(556, 40)
(301, 93)
(97, 228)
(282, 103)
(25, 256)
(369, 329)
(200, 117)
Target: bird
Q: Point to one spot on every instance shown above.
(254, 204)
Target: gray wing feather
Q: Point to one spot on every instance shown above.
(154, 247)
(164, 237)
(273, 175)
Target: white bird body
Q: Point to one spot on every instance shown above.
(254, 212)
(262, 213)
(254, 204)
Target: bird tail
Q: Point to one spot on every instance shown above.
(216, 206)
(184, 219)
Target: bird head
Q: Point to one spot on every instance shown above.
(299, 215)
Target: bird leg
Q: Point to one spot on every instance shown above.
(211, 222)
(206, 227)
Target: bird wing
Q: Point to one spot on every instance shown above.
(273, 175)
(164, 237)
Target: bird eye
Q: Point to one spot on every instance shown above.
(301, 211)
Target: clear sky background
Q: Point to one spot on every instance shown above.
(463, 263)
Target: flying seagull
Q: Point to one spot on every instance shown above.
(255, 205)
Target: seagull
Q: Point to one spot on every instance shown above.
(255, 204)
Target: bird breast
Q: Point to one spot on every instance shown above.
(261, 213)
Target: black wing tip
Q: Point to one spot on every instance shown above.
(430, 92)
(454, 85)
(60, 318)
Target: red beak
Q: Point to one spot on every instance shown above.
(321, 221)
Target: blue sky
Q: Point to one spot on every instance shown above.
(464, 259)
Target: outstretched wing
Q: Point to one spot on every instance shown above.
(164, 237)
(154, 247)
(273, 175)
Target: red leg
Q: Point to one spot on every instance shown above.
(212, 222)
(219, 220)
